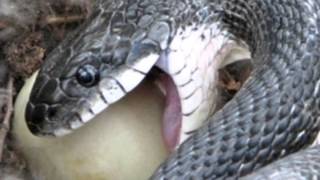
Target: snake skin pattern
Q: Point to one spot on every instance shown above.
(301, 165)
(274, 114)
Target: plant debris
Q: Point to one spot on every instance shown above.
(26, 55)
(28, 32)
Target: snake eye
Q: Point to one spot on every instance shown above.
(87, 75)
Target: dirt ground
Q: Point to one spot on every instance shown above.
(24, 44)
(23, 47)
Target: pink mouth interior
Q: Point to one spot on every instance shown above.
(172, 116)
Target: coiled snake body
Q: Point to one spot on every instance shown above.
(274, 114)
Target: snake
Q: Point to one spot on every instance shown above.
(263, 132)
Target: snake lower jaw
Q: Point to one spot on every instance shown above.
(172, 115)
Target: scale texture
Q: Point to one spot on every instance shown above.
(303, 165)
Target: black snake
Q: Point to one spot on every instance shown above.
(274, 114)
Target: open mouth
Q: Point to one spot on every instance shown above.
(190, 77)
(230, 79)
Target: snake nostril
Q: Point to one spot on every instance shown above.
(52, 111)
(39, 113)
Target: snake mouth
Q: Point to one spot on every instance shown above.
(172, 113)
(231, 77)
(189, 103)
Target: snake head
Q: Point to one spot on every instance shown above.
(72, 88)
(95, 66)
(61, 96)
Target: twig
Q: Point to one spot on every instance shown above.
(63, 19)
(5, 126)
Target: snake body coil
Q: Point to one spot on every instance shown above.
(274, 114)
(277, 110)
